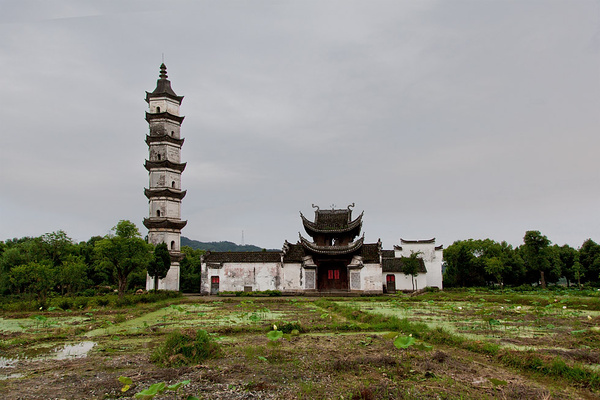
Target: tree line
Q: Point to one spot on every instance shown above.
(537, 261)
(54, 264)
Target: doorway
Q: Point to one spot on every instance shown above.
(214, 285)
(390, 281)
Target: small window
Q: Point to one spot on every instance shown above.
(333, 274)
(172, 133)
(157, 109)
(158, 213)
(158, 157)
(173, 184)
(172, 245)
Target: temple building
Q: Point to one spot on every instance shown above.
(164, 169)
(334, 261)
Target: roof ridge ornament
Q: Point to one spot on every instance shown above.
(317, 207)
(351, 205)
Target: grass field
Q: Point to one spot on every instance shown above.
(475, 344)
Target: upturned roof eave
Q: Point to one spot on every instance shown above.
(332, 250)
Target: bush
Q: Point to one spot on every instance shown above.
(186, 349)
(65, 304)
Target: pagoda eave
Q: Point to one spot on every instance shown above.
(164, 138)
(332, 250)
(153, 95)
(164, 223)
(150, 165)
(165, 192)
(163, 115)
(352, 227)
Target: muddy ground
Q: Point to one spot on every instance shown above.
(327, 360)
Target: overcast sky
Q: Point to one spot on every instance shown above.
(447, 119)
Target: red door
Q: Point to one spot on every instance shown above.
(390, 280)
(214, 285)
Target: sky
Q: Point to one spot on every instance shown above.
(451, 119)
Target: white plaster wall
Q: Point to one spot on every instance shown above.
(432, 259)
(261, 276)
(164, 178)
(168, 208)
(170, 282)
(156, 237)
(166, 126)
(167, 151)
(165, 104)
(292, 277)
(370, 277)
(403, 282)
(434, 276)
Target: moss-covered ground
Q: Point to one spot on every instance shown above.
(469, 345)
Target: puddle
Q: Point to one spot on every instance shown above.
(64, 352)
(78, 350)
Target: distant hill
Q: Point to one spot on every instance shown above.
(219, 246)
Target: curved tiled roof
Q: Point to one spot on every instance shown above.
(164, 223)
(165, 192)
(149, 165)
(397, 264)
(241, 256)
(164, 115)
(417, 241)
(332, 223)
(332, 250)
(370, 253)
(164, 138)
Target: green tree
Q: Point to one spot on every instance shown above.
(160, 264)
(123, 252)
(536, 254)
(57, 246)
(589, 257)
(411, 265)
(191, 269)
(496, 267)
(72, 274)
(34, 278)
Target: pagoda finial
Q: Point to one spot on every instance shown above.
(163, 71)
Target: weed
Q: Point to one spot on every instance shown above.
(186, 349)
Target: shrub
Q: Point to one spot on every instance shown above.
(65, 304)
(102, 301)
(186, 349)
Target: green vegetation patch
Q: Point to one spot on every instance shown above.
(186, 348)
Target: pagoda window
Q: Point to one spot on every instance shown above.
(158, 213)
(157, 109)
(172, 133)
(173, 184)
(172, 245)
(158, 155)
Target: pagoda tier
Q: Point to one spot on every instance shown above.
(164, 223)
(332, 250)
(334, 223)
(150, 165)
(162, 116)
(165, 192)
(163, 138)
